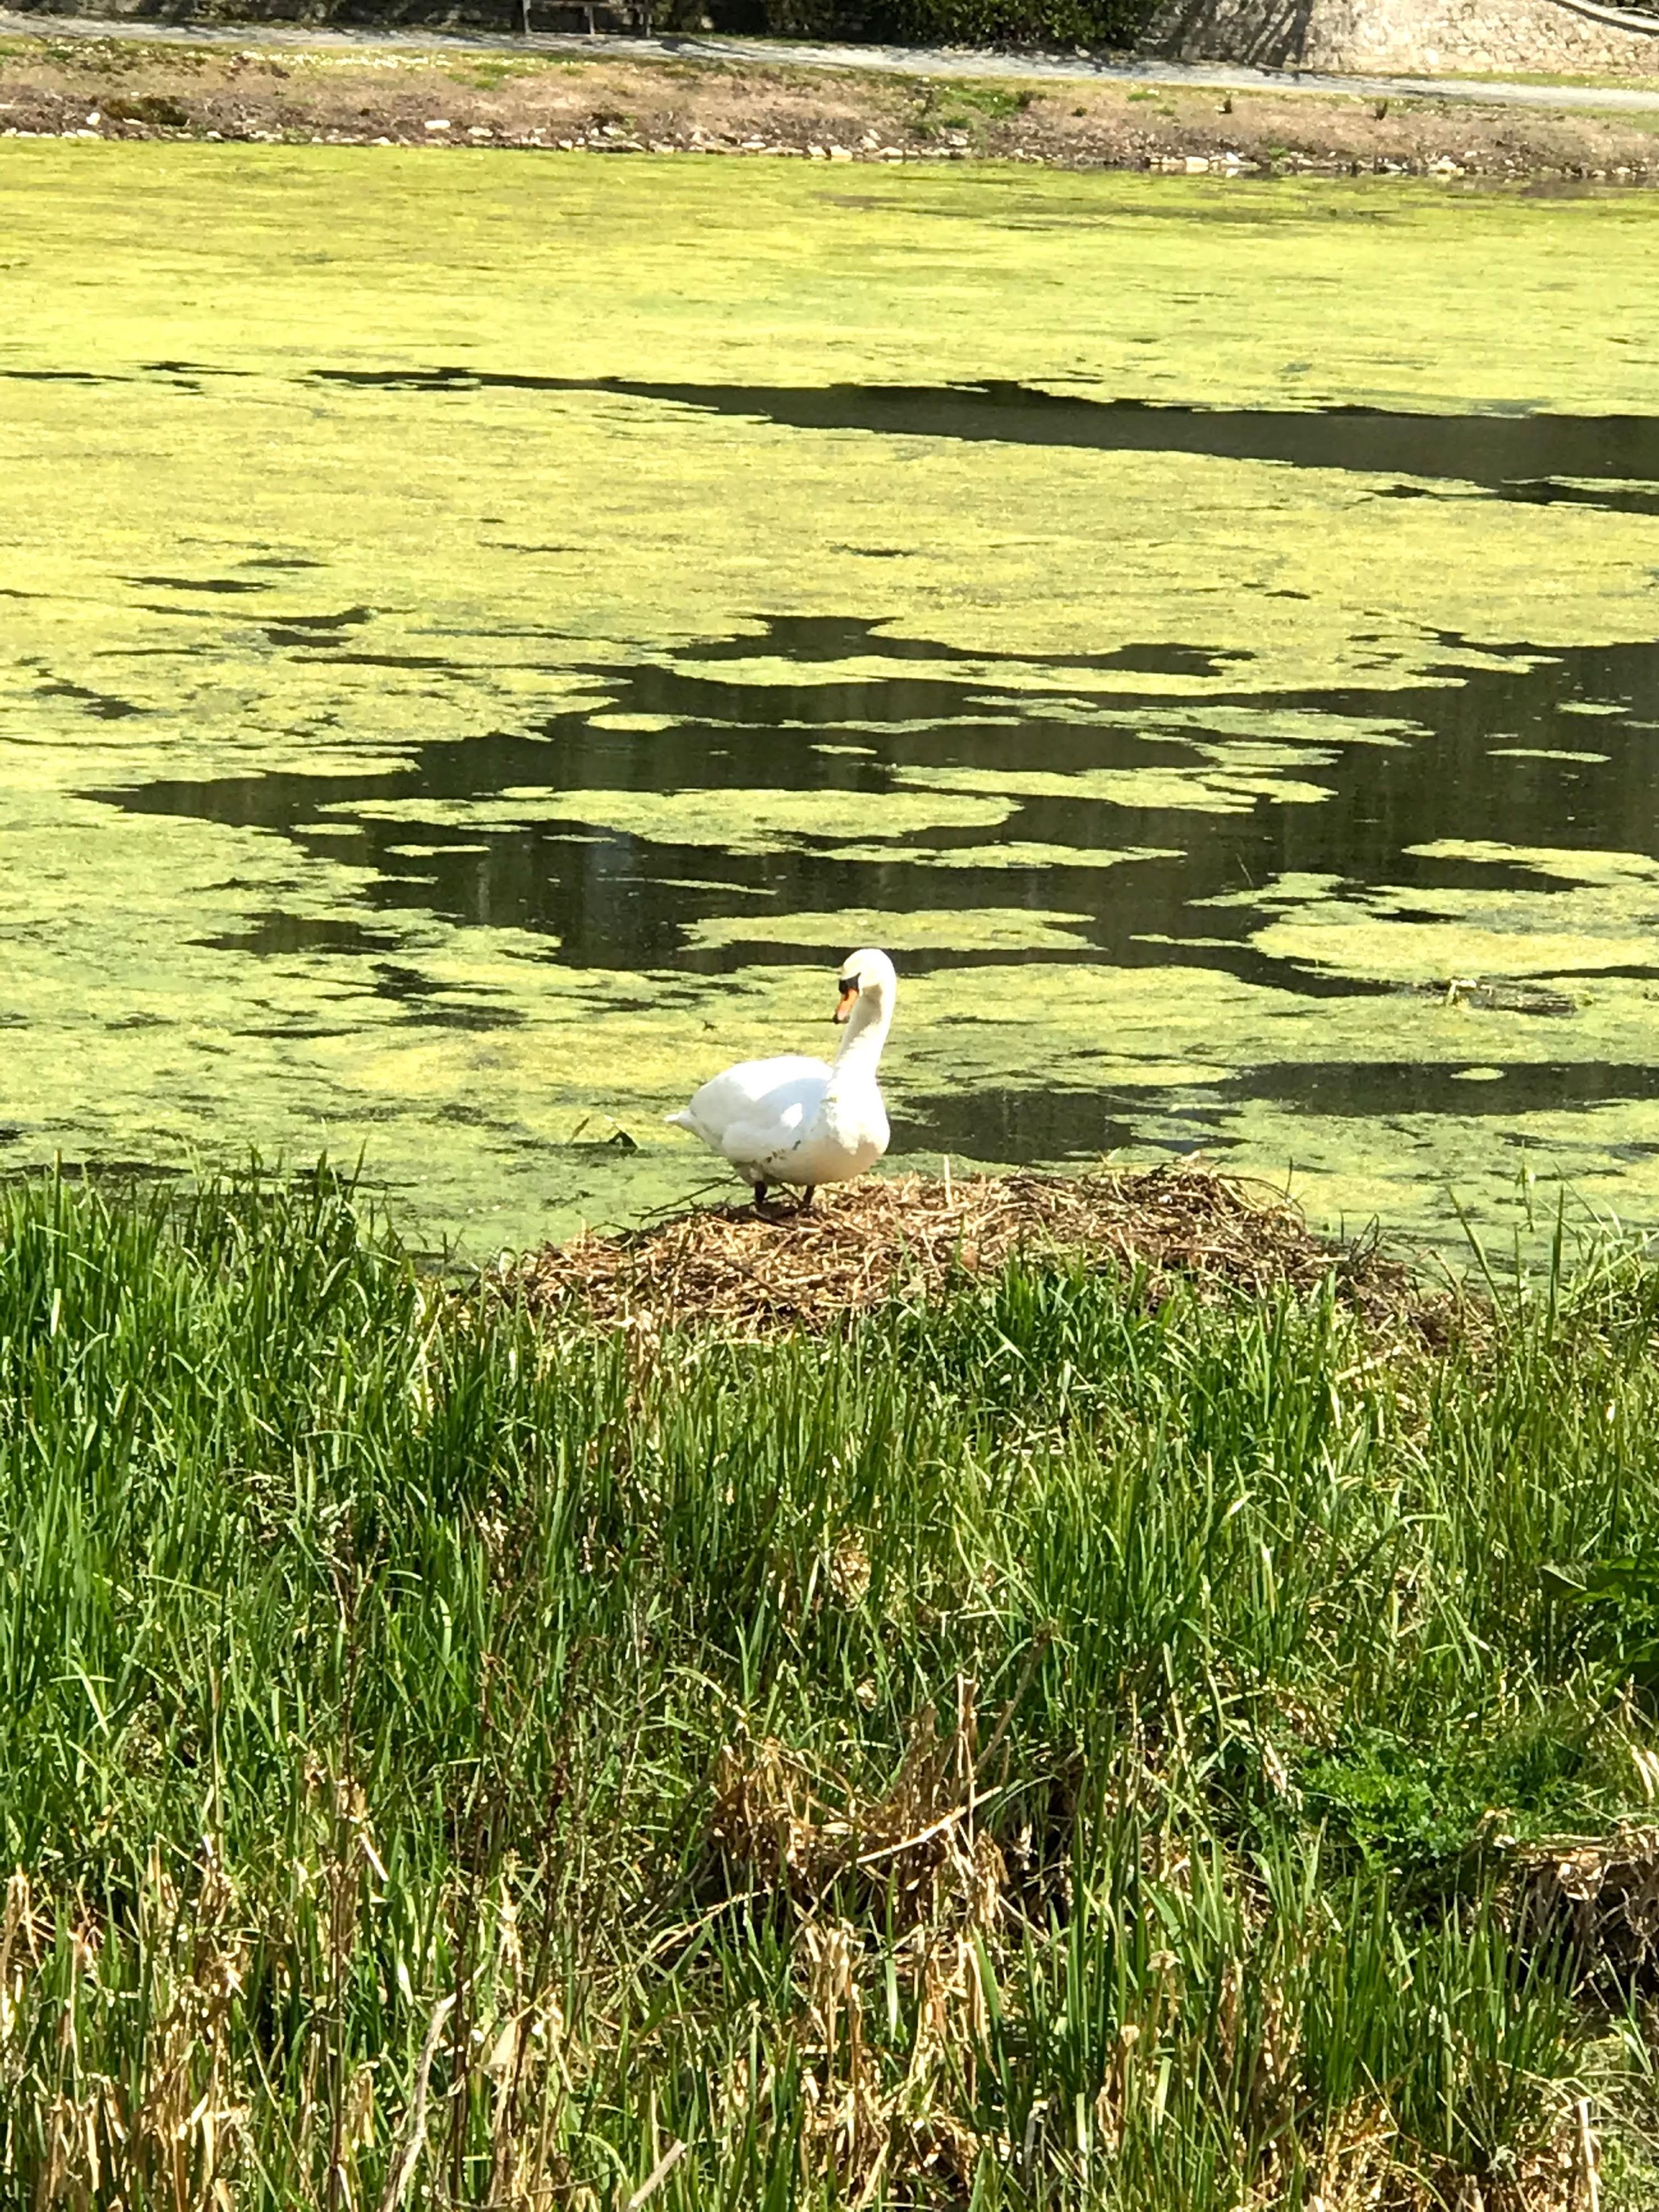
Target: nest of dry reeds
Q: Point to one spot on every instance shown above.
(916, 1237)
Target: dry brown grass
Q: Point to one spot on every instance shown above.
(916, 1237)
(916, 1846)
(914, 1857)
(1601, 1897)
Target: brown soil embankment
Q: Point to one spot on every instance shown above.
(127, 89)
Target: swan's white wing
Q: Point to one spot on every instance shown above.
(848, 1134)
(758, 1108)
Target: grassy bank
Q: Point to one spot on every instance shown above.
(608, 102)
(1057, 1747)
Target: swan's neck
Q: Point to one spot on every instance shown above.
(860, 1048)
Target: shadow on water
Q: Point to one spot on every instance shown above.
(1526, 457)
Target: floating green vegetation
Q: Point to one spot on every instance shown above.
(1223, 789)
(396, 719)
(738, 820)
(1008, 853)
(983, 929)
(1545, 753)
(1605, 919)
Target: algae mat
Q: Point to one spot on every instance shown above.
(483, 635)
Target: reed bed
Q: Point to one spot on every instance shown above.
(1086, 1737)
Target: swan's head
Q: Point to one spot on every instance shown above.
(867, 975)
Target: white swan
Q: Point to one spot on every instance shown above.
(795, 1121)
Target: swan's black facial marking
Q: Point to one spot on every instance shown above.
(848, 987)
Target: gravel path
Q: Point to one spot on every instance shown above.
(895, 61)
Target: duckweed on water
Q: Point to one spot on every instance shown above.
(734, 821)
(1086, 1743)
(436, 638)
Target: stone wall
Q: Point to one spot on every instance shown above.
(1566, 38)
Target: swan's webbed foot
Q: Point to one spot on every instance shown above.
(806, 1205)
(760, 1197)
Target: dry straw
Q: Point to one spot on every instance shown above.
(915, 1238)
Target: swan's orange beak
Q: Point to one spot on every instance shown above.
(849, 991)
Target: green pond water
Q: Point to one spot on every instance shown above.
(481, 636)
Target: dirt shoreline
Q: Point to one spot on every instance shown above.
(125, 88)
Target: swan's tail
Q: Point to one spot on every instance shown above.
(681, 1121)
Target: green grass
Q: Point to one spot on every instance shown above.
(996, 103)
(971, 108)
(489, 72)
(1059, 1749)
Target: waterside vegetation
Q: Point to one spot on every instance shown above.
(1086, 1738)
